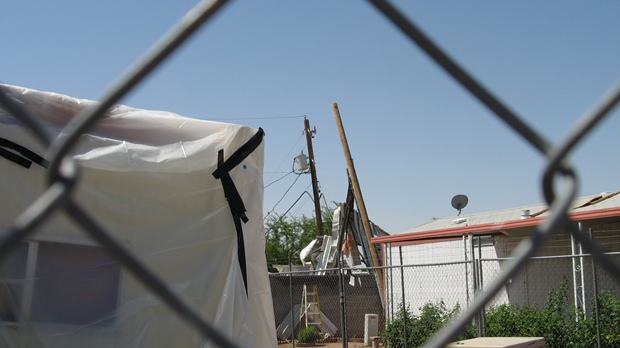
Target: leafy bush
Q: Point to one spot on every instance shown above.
(393, 333)
(609, 319)
(506, 320)
(420, 328)
(308, 334)
(558, 322)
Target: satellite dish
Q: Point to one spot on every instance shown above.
(459, 202)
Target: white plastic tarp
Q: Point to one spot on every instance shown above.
(147, 178)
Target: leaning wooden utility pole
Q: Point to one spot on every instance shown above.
(315, 186)
(358, 195)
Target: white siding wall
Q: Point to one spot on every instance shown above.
(439, 271)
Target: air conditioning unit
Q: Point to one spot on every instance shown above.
(371, 327)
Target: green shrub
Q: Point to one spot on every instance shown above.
(506, 320)
(393, 334)
(420, 328)
(559, 322)
(609, 319)
(308, 334)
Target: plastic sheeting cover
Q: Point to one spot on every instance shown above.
(146, 177)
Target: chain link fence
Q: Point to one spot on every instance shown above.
(343, 301)
(559, 187)
(561, 280)
(436, 281)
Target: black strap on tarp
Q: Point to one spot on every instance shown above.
(28, 156)
(237, 208)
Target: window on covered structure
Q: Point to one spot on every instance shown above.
(59, 283)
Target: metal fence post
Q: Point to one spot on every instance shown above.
(481, 314)
(466, 278)
(402, 284)
(343, 305)
(391, 292)
(595, 288)
(575, 269)
(290, 289)
(475, 281)
(584, 299)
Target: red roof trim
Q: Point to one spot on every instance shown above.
(492, 227)
(425, 241)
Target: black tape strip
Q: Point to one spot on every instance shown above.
(15, 158)
(244, 151)
(24, 162)
(237, 208)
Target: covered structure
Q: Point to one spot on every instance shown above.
(451, 258)
(154, 181)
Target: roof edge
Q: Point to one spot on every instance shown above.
(493, 227)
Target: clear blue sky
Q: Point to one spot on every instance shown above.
(417, 138)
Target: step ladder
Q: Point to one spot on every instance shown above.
(311, 308)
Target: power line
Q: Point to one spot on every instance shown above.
(273, 182)
(287, 155)
(284, 195)
(291, 207)
(257, 118)
(305, 201)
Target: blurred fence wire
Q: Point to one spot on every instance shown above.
(438, 287)
(63, 172)
(558, 169)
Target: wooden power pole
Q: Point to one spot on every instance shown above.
(315, 186)
(358, 194)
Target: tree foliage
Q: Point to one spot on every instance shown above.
(286, 235)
